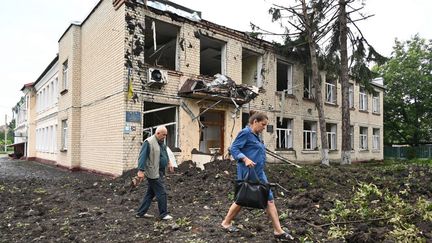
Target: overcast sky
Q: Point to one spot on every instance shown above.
(30, 30)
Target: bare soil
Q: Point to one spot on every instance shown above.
(42, 203)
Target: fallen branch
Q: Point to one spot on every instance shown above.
(277, 156)
(346, 222)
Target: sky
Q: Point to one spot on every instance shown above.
(30, 30)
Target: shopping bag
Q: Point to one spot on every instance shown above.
(251, 193)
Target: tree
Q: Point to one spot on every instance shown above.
(320, 40)
(408, 96)
(308, 19)
(361, 55)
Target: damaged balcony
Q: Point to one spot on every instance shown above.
(221, 89)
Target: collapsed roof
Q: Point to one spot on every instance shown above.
(221, 88)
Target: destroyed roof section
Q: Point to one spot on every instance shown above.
(202, 23)
(168, 6)
(225, 90)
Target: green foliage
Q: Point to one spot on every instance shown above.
(425, 209)
(369, 203)
(231, 196)
(408, 98)
(183, 222)
(339, 232)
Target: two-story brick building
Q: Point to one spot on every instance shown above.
(129, 67)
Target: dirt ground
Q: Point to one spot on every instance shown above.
(42, 203)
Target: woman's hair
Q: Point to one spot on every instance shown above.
(259, 116)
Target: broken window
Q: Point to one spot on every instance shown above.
(331, 136)
(284, 134)
(160, 44)
(245, 119)
(211, 135)
(212, 56)
(309, 90)
(156, 114)
(284, 77)
(330, 91)
(309, 135)
(251, 68)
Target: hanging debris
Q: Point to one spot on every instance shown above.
(220, 88)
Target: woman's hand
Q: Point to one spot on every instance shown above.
(249, 163)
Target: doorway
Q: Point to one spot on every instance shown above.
(212, 134)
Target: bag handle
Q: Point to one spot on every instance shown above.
(256, 175)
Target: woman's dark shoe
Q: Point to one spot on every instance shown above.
(285, 236)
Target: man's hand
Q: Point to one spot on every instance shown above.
(170, 167)
(137, 179)
(249, 163)
(140, 174)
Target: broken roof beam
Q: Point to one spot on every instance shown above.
(219, 89)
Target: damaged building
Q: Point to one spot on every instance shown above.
(132, 65)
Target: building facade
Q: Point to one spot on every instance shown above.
(129, 67)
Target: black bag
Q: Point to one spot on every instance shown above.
(249, 193)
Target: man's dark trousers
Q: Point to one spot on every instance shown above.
(155, 187)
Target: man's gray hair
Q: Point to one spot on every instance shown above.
(160, 128)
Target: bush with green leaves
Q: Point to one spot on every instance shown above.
(370, 204)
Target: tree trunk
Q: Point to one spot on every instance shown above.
(317, 84)
(346, 138)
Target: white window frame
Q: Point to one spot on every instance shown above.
(64, 143)
(376, 103)
(65, 67)
(376, 139)
(352, 137)
(332, 138)
(363, 144)
(289, 89)
(351, 96)
(152, 130)
(284, 136)
(363, 100)
(330, 93)
(309, 88)
(310, 135)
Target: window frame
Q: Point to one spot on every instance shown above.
(311, 135)
(65, 71)
(64, 142)
(363, 99)
(289, 76)
(363, 144)
(284, 136)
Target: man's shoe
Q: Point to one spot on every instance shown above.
(167, 217)
(146, 215)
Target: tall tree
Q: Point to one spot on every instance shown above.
(346, 143)
(310, 23)
(408, 96)
(320, 39)
(360, 55)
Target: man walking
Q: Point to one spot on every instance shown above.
(153, 159)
